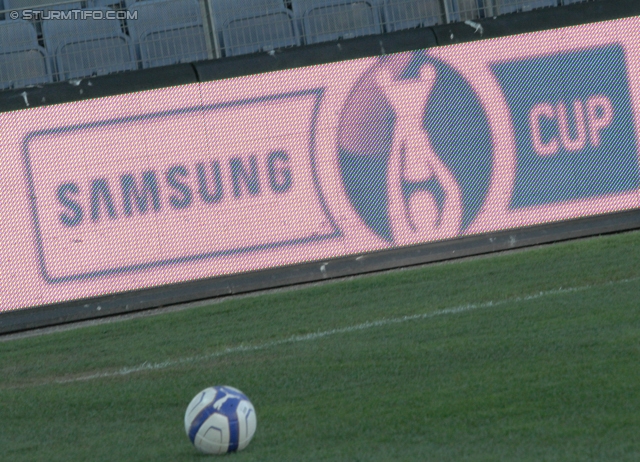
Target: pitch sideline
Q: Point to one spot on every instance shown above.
(154, 366)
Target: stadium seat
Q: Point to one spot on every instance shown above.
(249, 26)
(168, 32)
(512, 6)
(115, 4)
(38, 5)
(88, 47)
(462, 10)
(406, 14)
(22, 60)
(326, 20)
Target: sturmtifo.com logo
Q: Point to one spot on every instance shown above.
(415, 149)
(79, 15)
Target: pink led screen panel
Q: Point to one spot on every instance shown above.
(224, 177)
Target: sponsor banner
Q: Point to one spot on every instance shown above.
(175, 184)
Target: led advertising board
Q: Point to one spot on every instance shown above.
(217, 178)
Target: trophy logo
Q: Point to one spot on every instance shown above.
(414, 150)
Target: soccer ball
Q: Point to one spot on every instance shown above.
(220, 419)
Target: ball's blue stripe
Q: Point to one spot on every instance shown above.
(201, 418)
(201, 398)
(246, 420)
(234, 432)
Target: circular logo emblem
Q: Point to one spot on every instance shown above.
(415, 150)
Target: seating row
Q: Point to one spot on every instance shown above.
(162, 32)
(248, 26)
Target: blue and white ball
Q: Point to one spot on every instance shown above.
(220, 419)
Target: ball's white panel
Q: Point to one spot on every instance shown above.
(233, 389)
(197, 404)
(213, 436)
(247, 423)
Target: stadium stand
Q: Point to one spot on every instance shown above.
(22, 60)
(406, 14)
(326, 20)
(248, 26)
(512, 6)
(83, 48)
(168, 32)
(113, 4)
(44, 5)
(462, 10)
(41, 5)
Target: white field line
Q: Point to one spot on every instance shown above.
(154, 366)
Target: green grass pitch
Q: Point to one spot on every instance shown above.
(525, 356)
